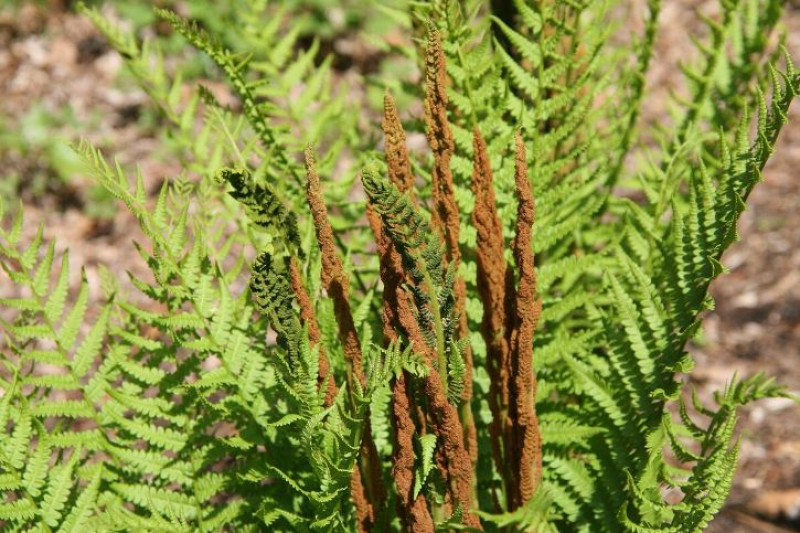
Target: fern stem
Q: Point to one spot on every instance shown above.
(367, 489)
(495, 292)
(397, 158)
(228, 135)
(415, 514)
(334, 277)
(528, 308)
(308, 316)
(441, 347)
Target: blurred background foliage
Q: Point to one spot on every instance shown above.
(355, 37)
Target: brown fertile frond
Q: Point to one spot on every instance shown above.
(440, 139)
(408, 323)
(332, 270)
(493, 285)
(308, 317)
(446, 423)
(338, 287)
(333, 275)
(391, 274)
(397, 157)
(528, 308)
(491, 279)
(371, 465)
(407, 318)
(445, 209)
(413, 511)
(400, 174)
(365, 512)
(438, 129)
(449, 429)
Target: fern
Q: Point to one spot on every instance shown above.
(452, 364)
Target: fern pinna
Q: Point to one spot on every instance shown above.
(457, 367)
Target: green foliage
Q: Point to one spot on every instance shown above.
(195, 403)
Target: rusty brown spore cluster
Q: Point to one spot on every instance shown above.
(421, 405)
(511, 309)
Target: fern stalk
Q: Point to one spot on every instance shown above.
(309, 319)
(445, 210)
(494, 281)
(527, 309)
(366, 485)
(414, 510)
(333, 275)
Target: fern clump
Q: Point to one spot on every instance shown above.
(499, 347)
